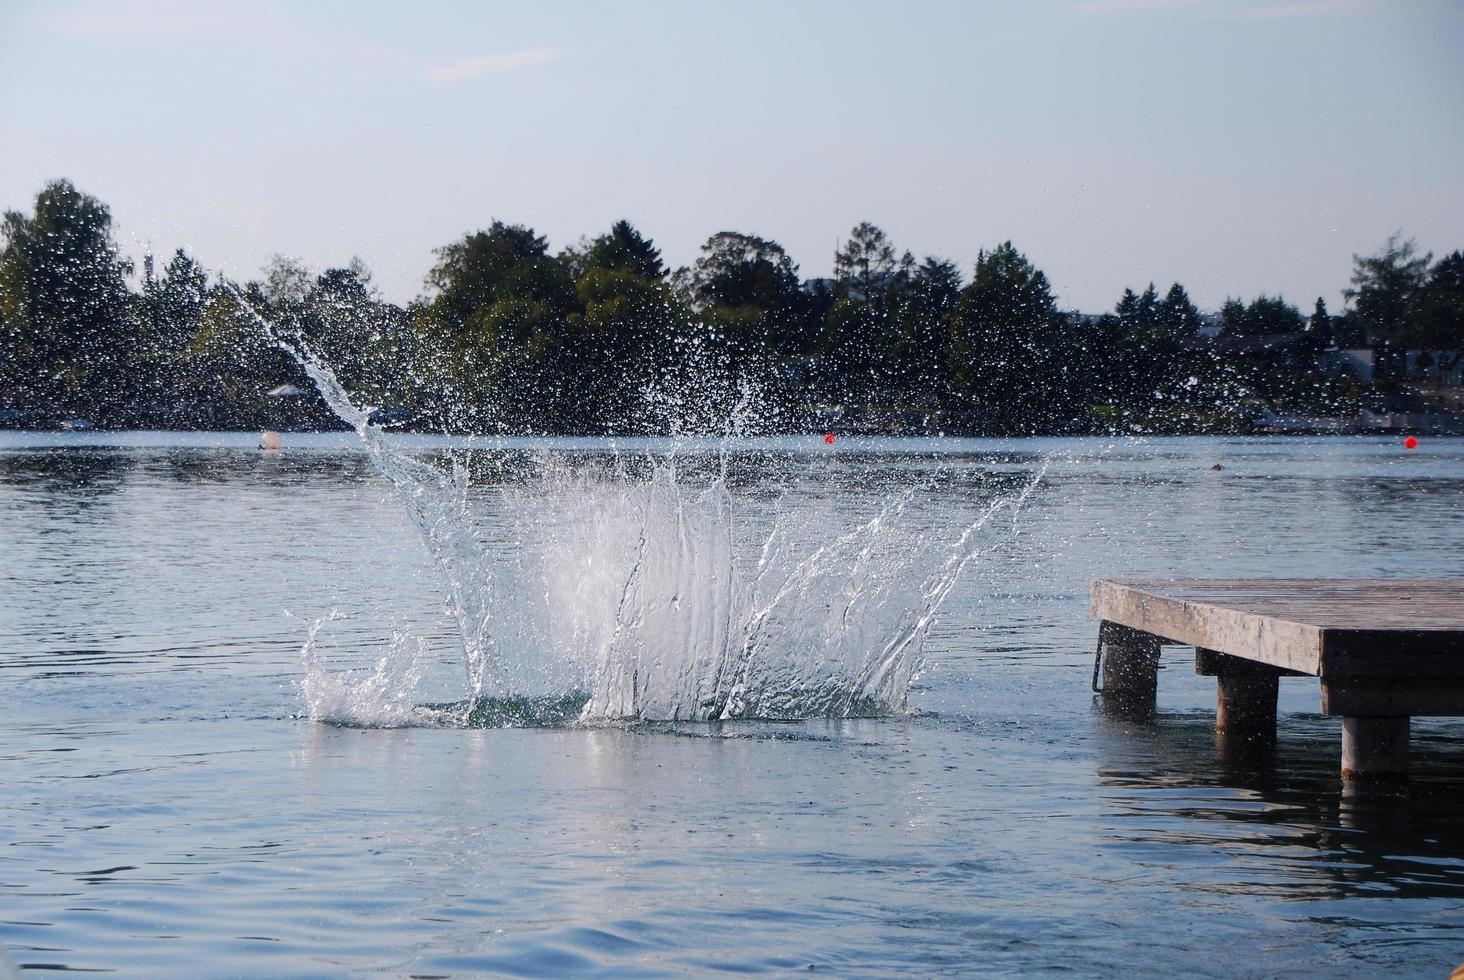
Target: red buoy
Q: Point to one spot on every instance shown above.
(829, 438)
(1410, 443)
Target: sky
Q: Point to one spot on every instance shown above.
(1236, 146)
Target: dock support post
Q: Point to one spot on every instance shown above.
(1374, 749)
(1245, 704)
(1245, 694)
(1130, 669)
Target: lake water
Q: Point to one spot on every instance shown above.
(170, 808)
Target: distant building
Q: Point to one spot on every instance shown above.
(1290, 351)
(1355, 361)
(1209, 325)
(1444, 368)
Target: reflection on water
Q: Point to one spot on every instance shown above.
(1275, 814)
(167, 805)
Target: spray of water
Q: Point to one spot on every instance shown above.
(649, 590)
(434, 498)
(378, 697)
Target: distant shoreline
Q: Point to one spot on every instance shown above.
(812, 434)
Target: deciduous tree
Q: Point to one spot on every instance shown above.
(65, 305)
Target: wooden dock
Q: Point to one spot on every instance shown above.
(1383, 649)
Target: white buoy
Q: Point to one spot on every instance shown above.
(269, 439)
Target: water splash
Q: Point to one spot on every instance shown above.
(812, 627)
(435, 500)
(379, 697)
(648, 590)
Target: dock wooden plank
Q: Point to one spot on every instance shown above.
(1384, 604)
(1189, 613)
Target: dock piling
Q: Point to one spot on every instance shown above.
(1245, 704)
(1130, 669)
(1375, 749)
(1245, 693)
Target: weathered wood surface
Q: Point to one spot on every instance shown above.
(1380, 646)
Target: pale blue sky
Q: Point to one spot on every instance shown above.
(1235, 145)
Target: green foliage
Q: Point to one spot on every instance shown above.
(885, 337)
(233, 364)
(744, 270)
(367, 341)
(623, 248)
(1384, 287)
(493, 322)
(1263, 315)
(1152, 325)
(169, 312)
(1005, 345)
(624, 329)
(547, 344)
(1178, 312)
(286, 283)
(470, 272)
(64, 303)
(746, 293)
(935, 287)
(920, 332)
(1137, 355)
(1320, 323)
(864, 266)
(599, 338)
(1437, 314)
(852, 331)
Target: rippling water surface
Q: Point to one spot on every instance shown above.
(171, 809)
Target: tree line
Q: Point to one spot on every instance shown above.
(601, 336)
